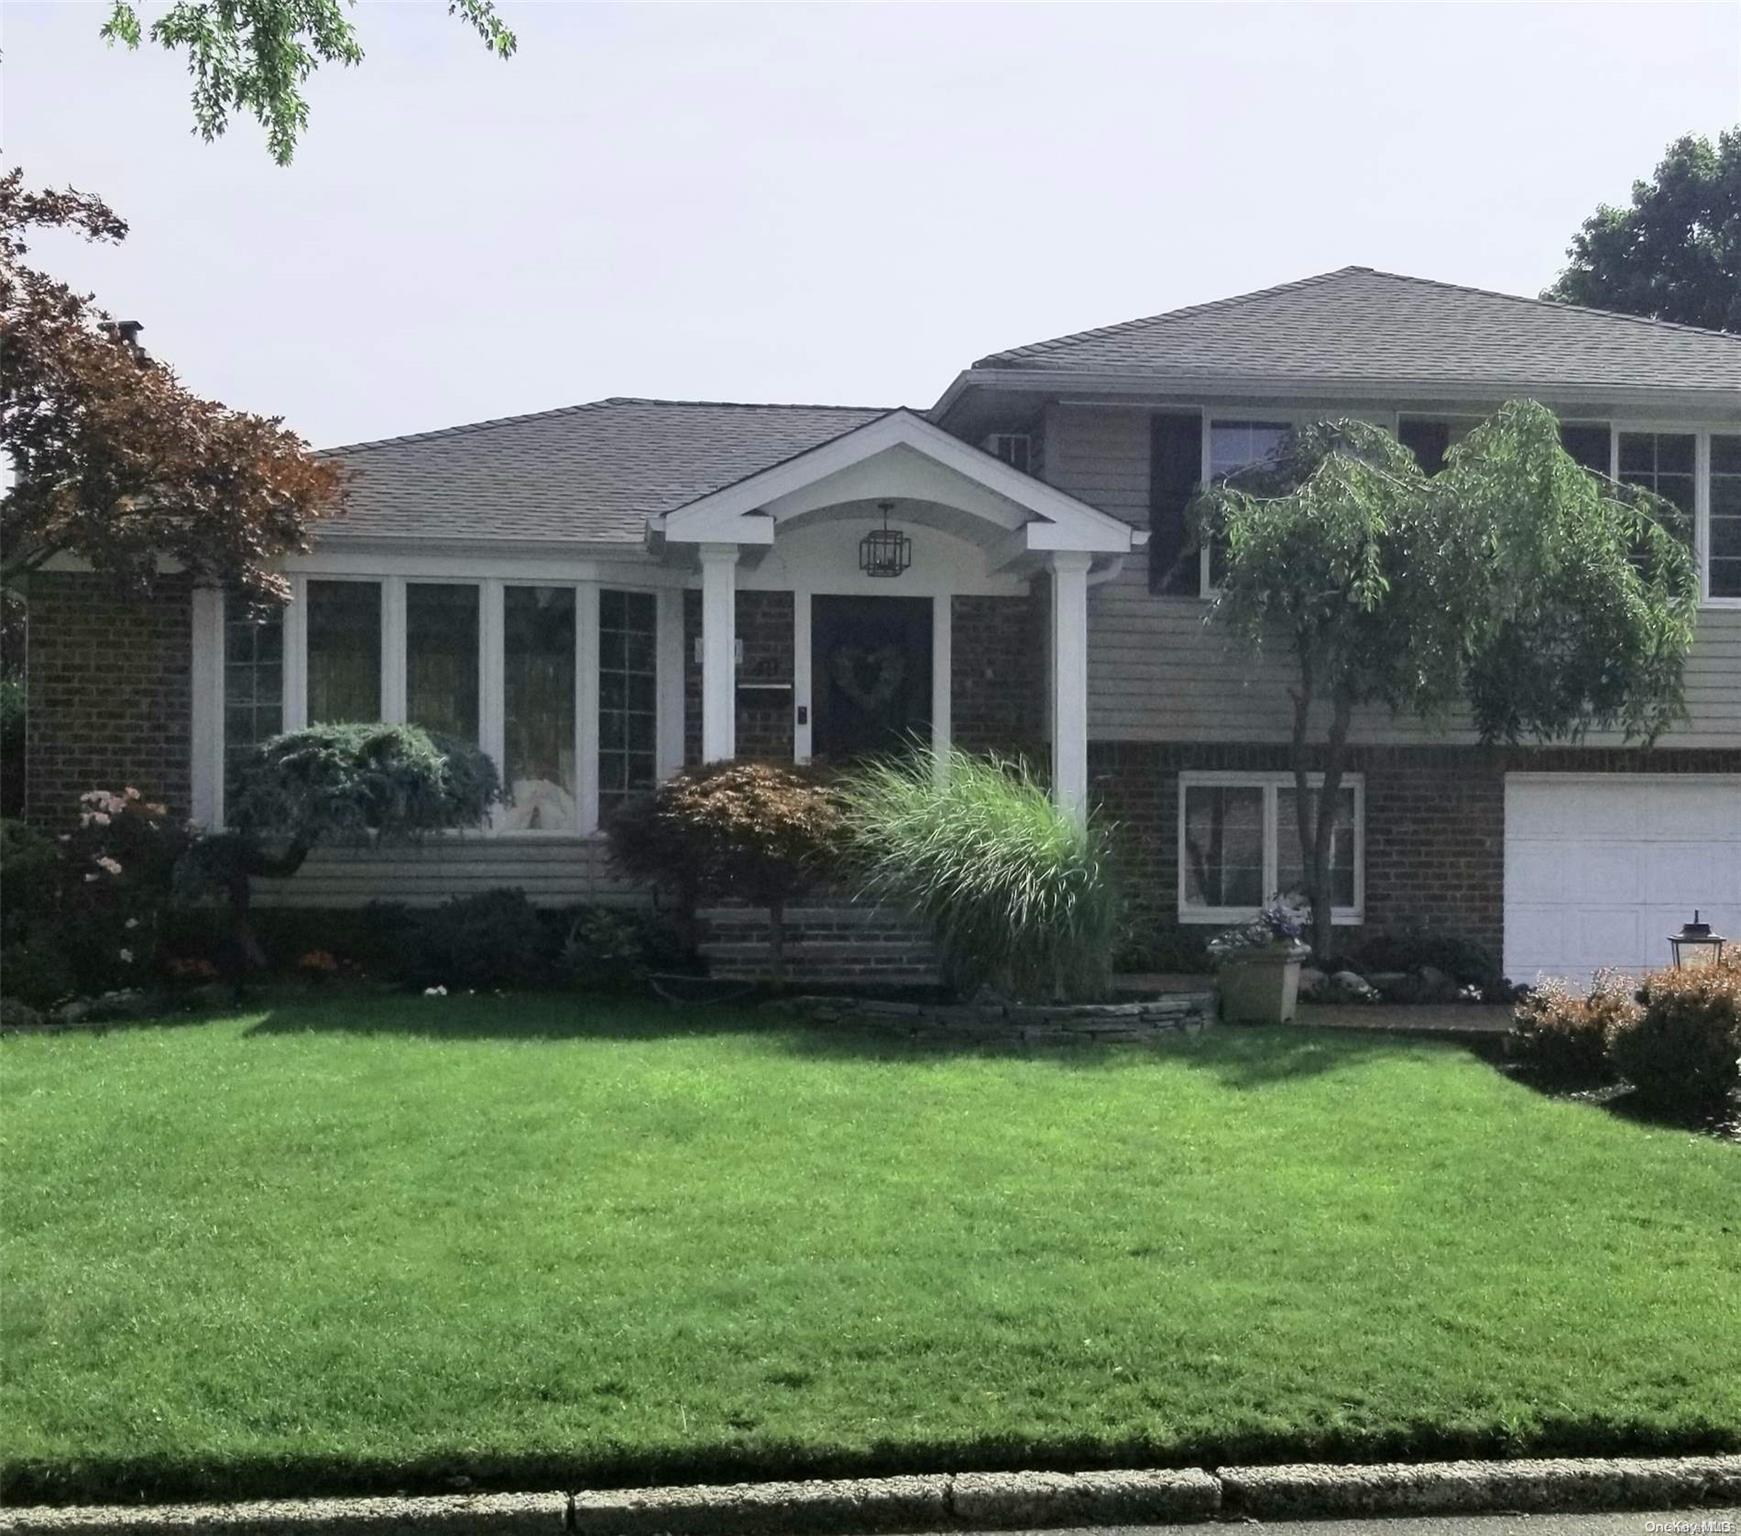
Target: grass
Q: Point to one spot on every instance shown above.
(388, 1243)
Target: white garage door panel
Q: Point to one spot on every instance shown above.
(1599, 871)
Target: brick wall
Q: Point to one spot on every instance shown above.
(1435, 822)
(110, 698)
(998, 674)
(764, 721)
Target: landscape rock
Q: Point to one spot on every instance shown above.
(1348, 987)
(1312, 982)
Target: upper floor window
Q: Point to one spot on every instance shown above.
(1723, 520)
(1664, 462)
(1233, 446)
(1016, 449)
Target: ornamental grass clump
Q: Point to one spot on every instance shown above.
(1018, 893)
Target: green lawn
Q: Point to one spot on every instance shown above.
(385, 1243)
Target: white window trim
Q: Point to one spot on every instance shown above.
(1270, 783)
(209, 664)
(1206, 588)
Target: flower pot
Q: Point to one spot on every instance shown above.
(1260, 986)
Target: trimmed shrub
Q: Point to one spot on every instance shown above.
(1018, 894)
(757, 832)
(608, 949)
(1682, 1047)
(1413, 949)
(1564, 1034)
(494, 939)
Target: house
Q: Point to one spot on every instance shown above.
(603, 593)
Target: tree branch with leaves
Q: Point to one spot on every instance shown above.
(114, 461)
(1543, 599)
(256, 55)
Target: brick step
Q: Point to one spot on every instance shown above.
(808, 949)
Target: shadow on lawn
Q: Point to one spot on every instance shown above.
(1239, 1057)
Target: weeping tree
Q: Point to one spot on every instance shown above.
(1544, 600)
(334, 784)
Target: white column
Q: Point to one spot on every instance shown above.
(586, 705)
(718, 652)
(492, 725)
(207, 683)
(668, 752)
(296, 656)
(1069, 656)
(942, 667)
(801, 738)
(393, 650)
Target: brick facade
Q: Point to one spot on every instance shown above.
(109, 681)
(765, 722)
(998, 674)
(1435, 822)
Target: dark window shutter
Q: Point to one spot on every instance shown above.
(1175, 472)
(1587, 444)
(1428, 441)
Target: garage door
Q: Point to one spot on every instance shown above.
(1599, 870)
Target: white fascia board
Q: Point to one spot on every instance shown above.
(1027, 546)
(1137, 388)
(721, 515)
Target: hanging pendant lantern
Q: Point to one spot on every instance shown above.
(885, 551)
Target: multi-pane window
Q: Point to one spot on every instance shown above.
(1233, 446)
(344, 651)
(441, 658)
(1223, 845)
(1239, 844)
(538, 677)
(627, 696)
(253, 684)
(1723, 533)
(1664, 462)
(1590, 443)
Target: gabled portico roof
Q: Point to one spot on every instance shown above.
(929, 474)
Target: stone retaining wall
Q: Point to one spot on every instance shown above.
(1019, 1024)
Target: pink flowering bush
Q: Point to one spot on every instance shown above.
(116, 881)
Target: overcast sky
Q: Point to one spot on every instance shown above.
(840, 203)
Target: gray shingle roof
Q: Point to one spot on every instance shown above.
(1357, 324)
(589, 473)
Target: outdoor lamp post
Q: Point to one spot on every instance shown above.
(1695, 945)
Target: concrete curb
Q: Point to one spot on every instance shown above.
(966, 1500)
(486, 1514)
(953, 1501)
(1467, 1487)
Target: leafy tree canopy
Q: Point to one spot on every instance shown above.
(1546, 600)
(1675, 254)
(254, 55)
(113, 460)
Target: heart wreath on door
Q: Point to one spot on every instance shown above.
(870, 678)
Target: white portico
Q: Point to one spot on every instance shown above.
(976, 525)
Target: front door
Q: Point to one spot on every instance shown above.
(870, 675)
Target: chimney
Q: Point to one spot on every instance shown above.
(126, 332)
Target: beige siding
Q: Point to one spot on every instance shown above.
(552, 871)
(1156, 673)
